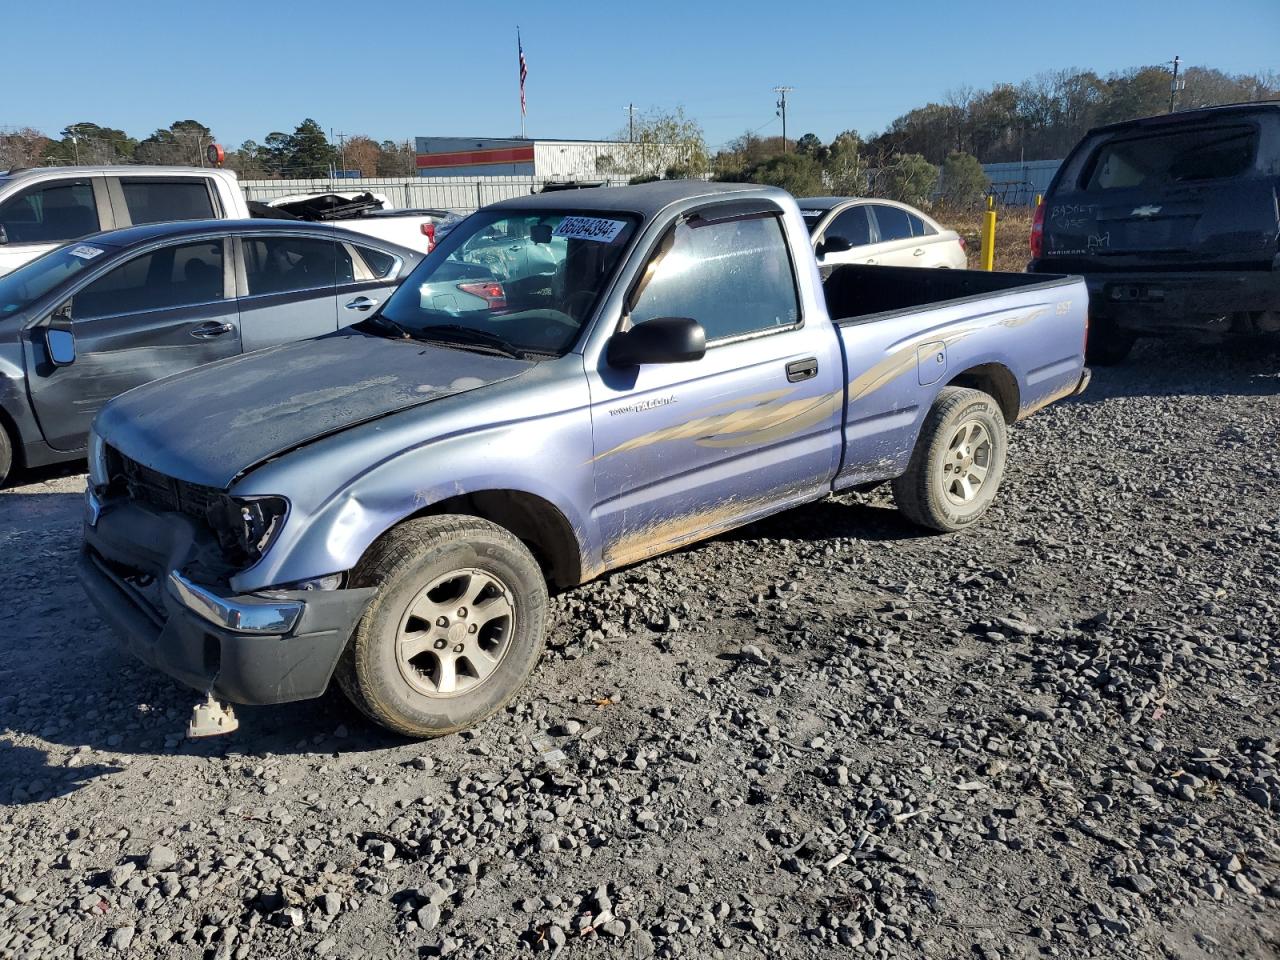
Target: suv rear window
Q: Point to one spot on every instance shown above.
(1183, 156)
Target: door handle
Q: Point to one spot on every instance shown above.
(919, 252)
(805, 369)
(871, 260)
(362, 303)
(207, 331)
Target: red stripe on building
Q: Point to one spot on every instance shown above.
(475, 158)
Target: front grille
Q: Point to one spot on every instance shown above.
(157, 490)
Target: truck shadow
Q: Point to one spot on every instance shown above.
(1168, 368)
(73, 705)
(829, 519)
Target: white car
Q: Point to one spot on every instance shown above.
(42, 208)
(860, 230)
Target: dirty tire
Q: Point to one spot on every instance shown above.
(6, 455)
(1107, 345)
(403, 565)
(922, 492)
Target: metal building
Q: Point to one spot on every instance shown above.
(474, 157)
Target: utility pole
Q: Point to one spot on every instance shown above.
(782, 111)
(342, 150)
(631, 122)
(1175, 84)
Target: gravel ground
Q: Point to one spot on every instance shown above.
(824, 734)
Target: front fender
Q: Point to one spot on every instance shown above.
(548, 458)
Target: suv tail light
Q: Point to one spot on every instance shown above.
(491, 293)
(429, 231)
(1037, 232)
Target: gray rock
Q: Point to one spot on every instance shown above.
(160, 858)
(121, 938)
(428, 916)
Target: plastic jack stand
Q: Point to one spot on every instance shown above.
(211, 719)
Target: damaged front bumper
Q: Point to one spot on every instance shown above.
(252, 649)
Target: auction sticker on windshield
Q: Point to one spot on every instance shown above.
(86, 252)
(589, 228)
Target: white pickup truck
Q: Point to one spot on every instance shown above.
(44, 207)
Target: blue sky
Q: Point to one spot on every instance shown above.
(402, 70)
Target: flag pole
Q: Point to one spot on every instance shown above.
(520, 55)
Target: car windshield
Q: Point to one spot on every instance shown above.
(31, 281)
(519, 283)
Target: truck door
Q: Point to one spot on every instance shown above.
(158, 313)
(685, 449)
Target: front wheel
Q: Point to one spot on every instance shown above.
(957, 464)
(455, 629)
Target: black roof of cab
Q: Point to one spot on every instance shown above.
(125, 237)
(1191, 116)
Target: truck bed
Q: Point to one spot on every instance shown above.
(856, 292)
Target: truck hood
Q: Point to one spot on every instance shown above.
(211, 424)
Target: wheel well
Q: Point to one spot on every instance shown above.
(994, 379)
(9, 426)
(537, 522)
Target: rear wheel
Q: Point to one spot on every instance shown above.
(957, 464)
(1107, 344)
(455, 629)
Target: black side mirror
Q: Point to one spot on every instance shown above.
(833, 244)
(4, 235)
(660, 340)
(59, 338)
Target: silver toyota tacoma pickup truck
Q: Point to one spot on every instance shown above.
(566, 385)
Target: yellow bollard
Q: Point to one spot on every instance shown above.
(989, 235)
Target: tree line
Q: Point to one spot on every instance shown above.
(936, 148)
(306, 152)
(937, 151)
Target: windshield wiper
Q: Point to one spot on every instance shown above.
(379, 320)
(457, 332)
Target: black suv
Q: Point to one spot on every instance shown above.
(1174, 221)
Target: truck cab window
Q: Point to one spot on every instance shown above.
(52, 214)
(734, 277)
(159, 201)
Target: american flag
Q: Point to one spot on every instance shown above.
(524, 72)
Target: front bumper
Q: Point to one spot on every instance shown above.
(1210, 303)
(245, 649)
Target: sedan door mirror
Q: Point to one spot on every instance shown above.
(4, 235)
(833, 244)
(62, 345)
(660, 340)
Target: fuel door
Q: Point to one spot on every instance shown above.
(931, 362)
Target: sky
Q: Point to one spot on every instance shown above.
(396, 71)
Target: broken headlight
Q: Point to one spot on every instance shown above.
(247, 525)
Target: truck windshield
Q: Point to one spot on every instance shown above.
(31, 281)
(523, 281)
